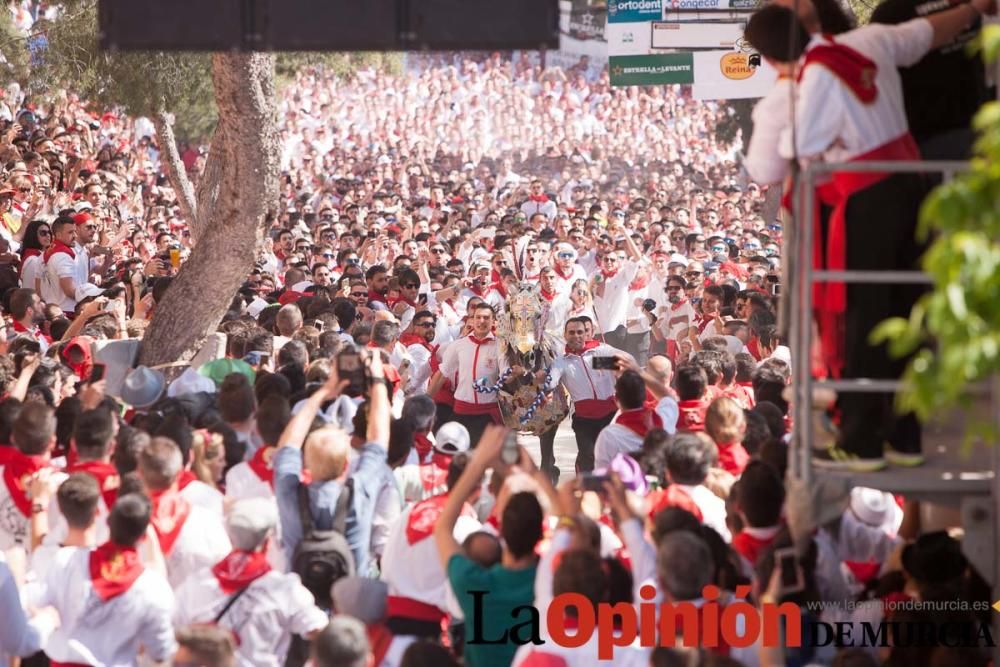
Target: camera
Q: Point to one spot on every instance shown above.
(649, 305)
(351, 367)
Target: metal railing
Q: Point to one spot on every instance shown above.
(803, 276)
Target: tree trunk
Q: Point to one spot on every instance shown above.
(207, 193)
(176, 172)
(221, 260)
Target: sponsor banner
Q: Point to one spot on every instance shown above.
(634, 11)
(731, 75)
(696, 35)
(669, 6)
(628, 39)
(581, 21)
(652, 70)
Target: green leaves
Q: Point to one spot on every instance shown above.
(953, 332)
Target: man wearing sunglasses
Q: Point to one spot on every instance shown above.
(418, 340)
(611, 287)
(567, 271)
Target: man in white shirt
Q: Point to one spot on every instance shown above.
(86, 228)
(689, 457)
(591, 391)
(472, 365)
(61, 277)
(262, 607)
(538, 202)
(111, 607)
(191, 537)
(611, 288)
(633, 421)
(418, 341)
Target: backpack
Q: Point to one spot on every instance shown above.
(323, 556)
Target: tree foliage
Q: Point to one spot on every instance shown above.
(954, 330)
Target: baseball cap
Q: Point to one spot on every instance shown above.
(250, 521)
(452, 438)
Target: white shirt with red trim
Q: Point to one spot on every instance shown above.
(576, 373)
(202, 543)
(465, 362)
(563, 285)
(675, 318)
(411, 565)
(202, 495)
(105, 633)
(265, 616)
(15, 526)
(420, 370)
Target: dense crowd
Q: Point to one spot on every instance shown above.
(327, 479)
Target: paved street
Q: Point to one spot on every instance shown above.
(565, 449)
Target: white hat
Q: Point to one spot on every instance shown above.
(87, 290)
(678, 258)
(452, 438)
(302, 285)
(875, 508)
(191, 382)
(733, 345)
(249, 522)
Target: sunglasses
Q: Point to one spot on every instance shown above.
(673, 288)
(693, 274)
(410, 286)
(438, 251)
(565, 255)
(328, 255)
(359, 294)
(351, 261)
(718, 248)
(44, 232)
(24, 189)
(610, 258)
(425, 325)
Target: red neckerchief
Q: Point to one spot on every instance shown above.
(639, 421)
(753, 347)
(564, 276)
(691, 415)
(640, 281)
(672, 496)
(609, 274)
(409, 339)
(478, 291)
(548, 296)
(423, 446)
(185, 478)
(6, 453)
(83, 368)
(113, 569)
(36, 332)
(495, 276)
(56, 248)
(481, 341)
(750, 546)
(587, 345)
(424, 516)
(106, 476)
(261, 465)
(678, 305)
(375, 296)
(25, 255)
(170, 511)
(240, 569)
(702, 321)
(20, 468)
(500, 287)
(401, 299)
(853, 69)
(435, 474)
(539, 199)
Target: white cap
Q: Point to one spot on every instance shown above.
(678, 258)
(452, 438)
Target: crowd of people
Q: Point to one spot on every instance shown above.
(328, 480)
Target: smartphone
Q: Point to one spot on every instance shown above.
(509, 452)
(590, 481)
(110, 306)
(265, 359)
(605, 363)
(318, 324)
(792, 580)
(350, 367)
(97, 373)
(776, 289)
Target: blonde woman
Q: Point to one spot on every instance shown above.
(208, 459)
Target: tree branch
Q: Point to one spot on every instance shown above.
(170, 158)
(207, 192)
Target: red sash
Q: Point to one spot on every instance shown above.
(185, 478)
(261, 465)
(853, 69)
(639, 421)
(16, 475)
(733, 458)
(374, 296)
(239, 569)
(170, 511)
(106, 476)
(113, 569)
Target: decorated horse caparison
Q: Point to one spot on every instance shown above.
(525, 405)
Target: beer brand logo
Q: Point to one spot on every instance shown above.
(737, 66)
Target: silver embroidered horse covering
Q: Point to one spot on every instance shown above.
(524, 342)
